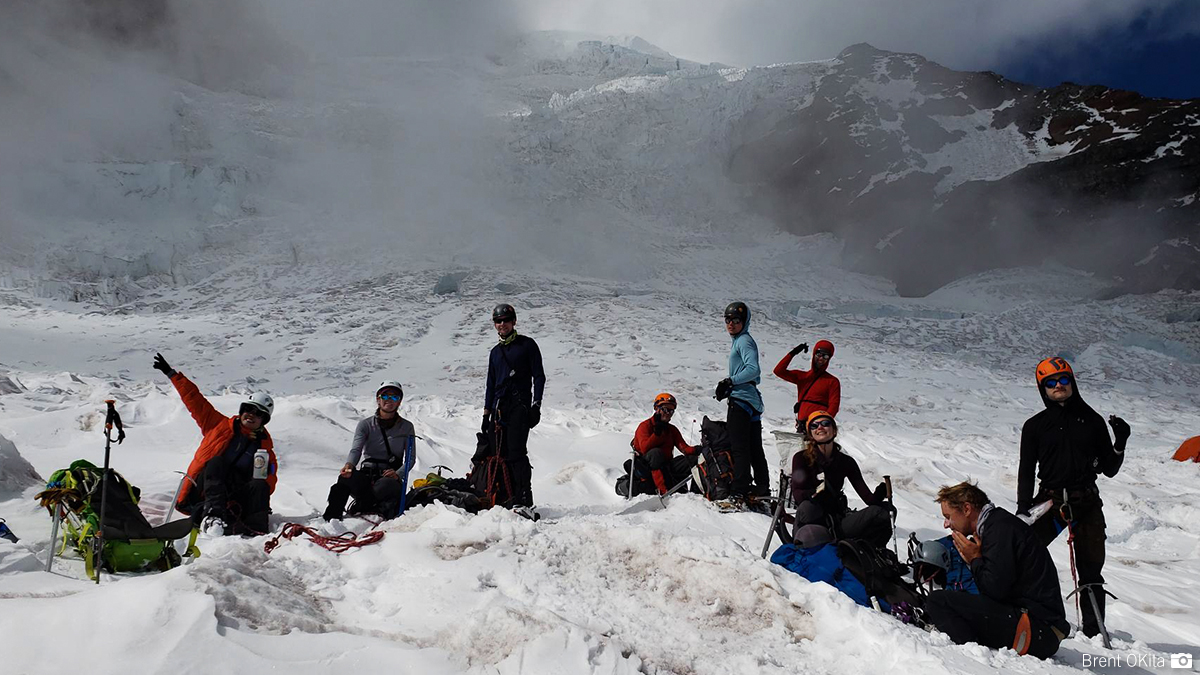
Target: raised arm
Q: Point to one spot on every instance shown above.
(202, 411)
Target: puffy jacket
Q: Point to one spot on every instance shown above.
(744, 370)
(218, 431)
(1014, 568)
(815, 389)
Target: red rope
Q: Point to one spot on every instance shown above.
(339, 544)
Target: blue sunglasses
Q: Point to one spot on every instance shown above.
(389, 397)
(1052, 382)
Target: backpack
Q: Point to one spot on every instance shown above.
(131, 543)
(821, 563)
(714, 471)
(453, 491)
(881, 573)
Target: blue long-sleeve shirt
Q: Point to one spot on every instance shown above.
(514, 369)
(743, 368)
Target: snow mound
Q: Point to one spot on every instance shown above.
(16, 474)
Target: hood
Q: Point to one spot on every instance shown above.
(821, 344)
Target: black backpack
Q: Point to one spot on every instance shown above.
(879, 571)
(643, 481)
(714, 472)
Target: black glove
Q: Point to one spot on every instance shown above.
(802, 347)
(880, 493)
(486, 427)
(161, 364)
(535, 414)
(1121, 430)
(723, 388)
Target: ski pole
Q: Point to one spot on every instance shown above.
(111, 419)
(887, 481)
(783, 490)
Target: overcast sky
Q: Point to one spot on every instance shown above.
(1045, 41)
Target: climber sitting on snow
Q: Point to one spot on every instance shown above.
(655, 442)
(227, 491)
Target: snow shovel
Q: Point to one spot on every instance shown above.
(655, 503)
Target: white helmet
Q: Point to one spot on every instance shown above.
(390, 384)
(263, 403)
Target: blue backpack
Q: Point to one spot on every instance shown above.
(822, 563)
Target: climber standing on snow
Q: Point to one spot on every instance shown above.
(744, 422)
(512, 405)
(225, 492)
(1067, 445)
(816, 389)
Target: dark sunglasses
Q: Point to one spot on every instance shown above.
(1052, 382)
(821, 424)
(666, 409)
(732, 319)
(390, 397)
(821, 352)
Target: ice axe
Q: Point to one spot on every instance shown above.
(111, 419)
(887, 482)
(655, 503)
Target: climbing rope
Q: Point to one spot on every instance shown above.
(339, 544)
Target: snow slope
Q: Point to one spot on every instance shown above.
(934, 392)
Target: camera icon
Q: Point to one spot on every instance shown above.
(1181, 660)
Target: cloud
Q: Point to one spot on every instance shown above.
(961, 34)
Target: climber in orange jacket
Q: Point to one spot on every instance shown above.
(229, 485)
(816, 389)
(656, 440)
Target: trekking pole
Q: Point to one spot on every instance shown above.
(111, 419)
(887, 481)
(783, 493)
(632, 468)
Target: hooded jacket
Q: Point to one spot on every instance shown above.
(1014, 568)
(218, 431)
(1068, 445)
(744, 371)
(815, 389)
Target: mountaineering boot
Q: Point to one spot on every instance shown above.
(214, 526)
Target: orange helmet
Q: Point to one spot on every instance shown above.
(664, 399)
(817, 414)
(1055, 365)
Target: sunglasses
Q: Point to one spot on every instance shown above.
(732, 319)
(821, 424)
(1052, 382)
(390, 397)
(823, 353)
(666, 409)
(500, 321)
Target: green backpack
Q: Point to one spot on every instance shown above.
(131, 544)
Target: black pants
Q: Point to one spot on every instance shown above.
(872, 524)
(967, 617)
(511, 432)
(241, 501)
(372, 492)
(1087, 511)
(746, 449)
(666, 470)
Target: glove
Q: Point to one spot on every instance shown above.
(880, 493)
(161, 364)
(486, 427)
(535, 414)
(1121, 430)
(802, 347)
(723, 388)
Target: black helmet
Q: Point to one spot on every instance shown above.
(504, 312)
(737, 310)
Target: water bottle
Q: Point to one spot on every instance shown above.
(261, 462)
